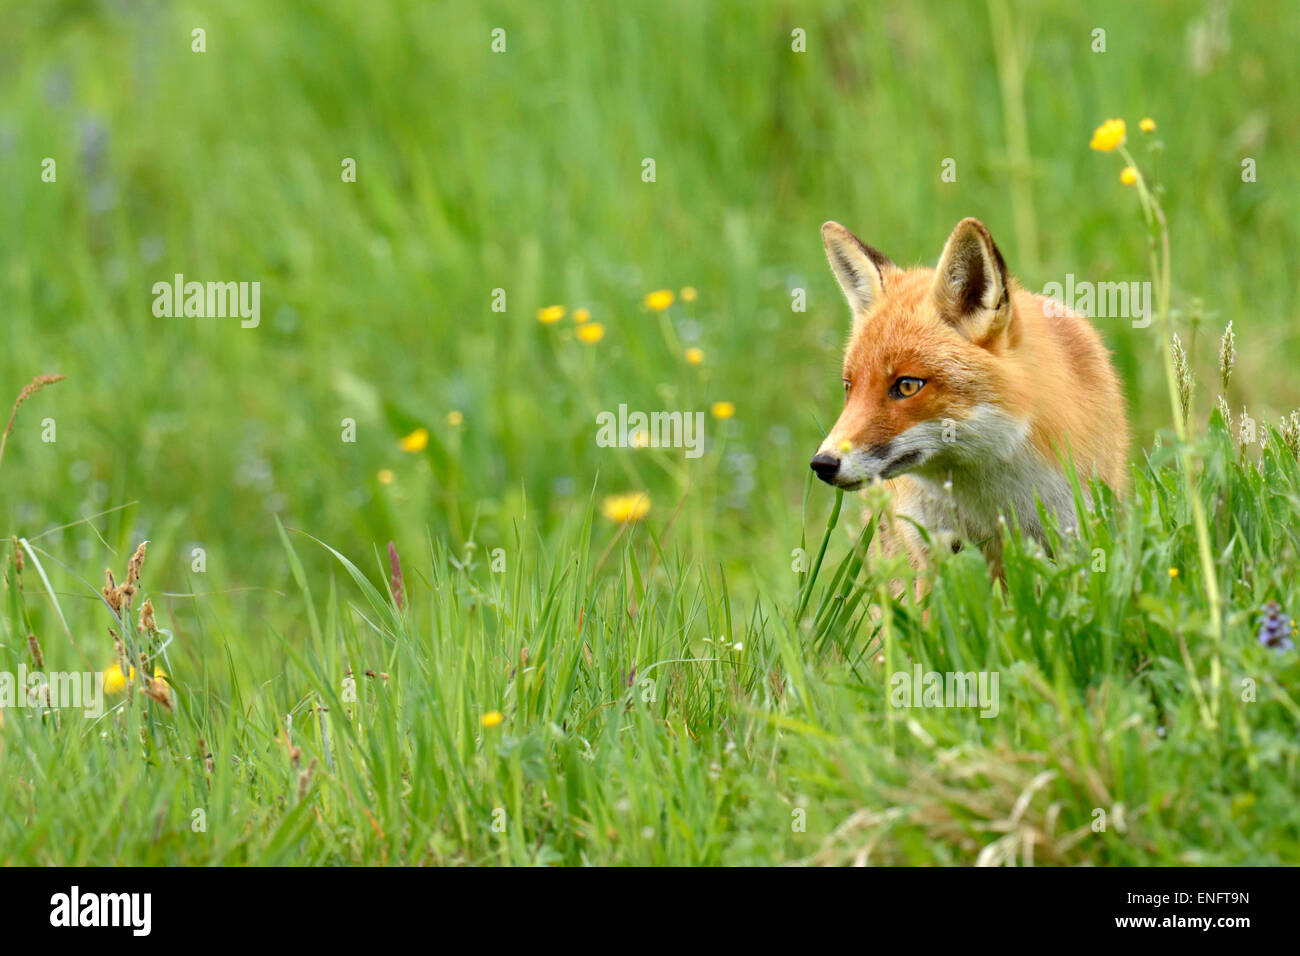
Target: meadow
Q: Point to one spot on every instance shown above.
(469, 245)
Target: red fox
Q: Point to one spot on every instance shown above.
(962, 391)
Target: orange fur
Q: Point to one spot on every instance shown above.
(1008, 386)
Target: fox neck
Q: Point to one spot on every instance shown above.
(993, 472)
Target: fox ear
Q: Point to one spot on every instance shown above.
(970, 283)
(856, 265)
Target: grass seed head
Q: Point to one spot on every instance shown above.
(111, 593)
(159, 690)
(396, 580)
(135, 564)
(1227, 356)
(34, 646)
(30, 389)
(1184, 374)
(1226, 412)
(1290, 429)
(147, 623)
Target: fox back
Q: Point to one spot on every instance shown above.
(965, 392)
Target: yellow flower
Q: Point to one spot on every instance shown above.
(418, 440)
(659, 300)
(591, 333)
(385, 476)
(581, 315)
(724, 410)
(1148, 125)
(689, 294)
(1128, 175)
(694, 356)
(1109, 136)
(550, 314)
(1173, 572)
(492, 718)
(115, 683)
(623, 509)
(640, 438)
(455, 419)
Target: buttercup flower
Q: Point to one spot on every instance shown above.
(418, 440)
(492, 718)
(1109, 136)
(723, 410)
(1128, 175)
(624, 509)
(385, 476)
(581, 315)
(1148, 125)
(694, 356)
(115, 683)
(591, 333)
(659, 300)
(689, 294)
(1173, 572)
(550, 315)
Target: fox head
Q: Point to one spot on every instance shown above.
(927, 388)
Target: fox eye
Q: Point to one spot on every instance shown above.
(906, 387)
(847, 385)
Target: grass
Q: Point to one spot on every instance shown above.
(649, 719)
(711, 685)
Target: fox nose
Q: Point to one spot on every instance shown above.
(825, 465)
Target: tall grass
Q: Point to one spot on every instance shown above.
(646, 718)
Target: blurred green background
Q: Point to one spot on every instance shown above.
(522, 171)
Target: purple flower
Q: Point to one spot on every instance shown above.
(1275, 628)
